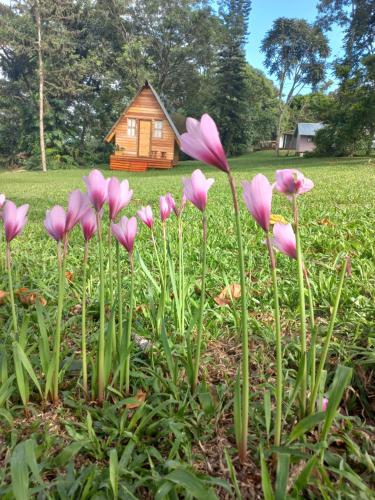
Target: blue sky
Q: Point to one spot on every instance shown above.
(264, 12)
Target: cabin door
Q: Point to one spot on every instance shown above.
(144, 138)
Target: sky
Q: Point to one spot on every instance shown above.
(264, 12)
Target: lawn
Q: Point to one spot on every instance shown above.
(176, 445)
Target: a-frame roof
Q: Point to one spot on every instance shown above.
(147, 85)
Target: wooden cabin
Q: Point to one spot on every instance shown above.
(145, 135)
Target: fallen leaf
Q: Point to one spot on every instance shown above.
(228, 293)
(29, 298)
(3, 297)
(326, 222)
(275, 218)
(140, 398)
(69, 276)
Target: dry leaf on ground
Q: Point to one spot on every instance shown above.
(140, 399)
(228, 293)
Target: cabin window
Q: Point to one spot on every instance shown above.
(163, 155)
(131, 127)
(158, 129)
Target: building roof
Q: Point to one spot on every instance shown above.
(308, 128)
(147, 85)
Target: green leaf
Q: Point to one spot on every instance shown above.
(305, 425)
(282, 473)
(232, 474)
(267, 412)
(19, 473)
(27, 365)
(191, 484)
(342, 377)
(68, 453)
(114, 471)
(266, 481)
(302, 479)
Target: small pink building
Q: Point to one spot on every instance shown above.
(304, 136)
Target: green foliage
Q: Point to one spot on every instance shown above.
(229, 104)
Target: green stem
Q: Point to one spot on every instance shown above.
(181, 272)
(279, 360)
(244, 328)
(301, 286)
(164, 280)
(129, 326)
(119, 298)
(202, 301)
(327, 341)
(313, 332)
(110, 265)
(84, 352)
(11, 291)
(57, 340)
(101, 344)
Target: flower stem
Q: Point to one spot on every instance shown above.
(101, 344)
(57, 340)
(327, 341)
(313, 332)
(181, 272)
(202, 301)
(119, 298)
(84, 352)
(129, 326)
(244, 328)
(11, 291)
(301, 286)
(110, 266)
(164, 280)
(279, 361)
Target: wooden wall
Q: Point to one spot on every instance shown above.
(145, 107)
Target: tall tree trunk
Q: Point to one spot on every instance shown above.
(41, 88)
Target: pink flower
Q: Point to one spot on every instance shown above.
(55, 222)
(258, 199)
(165, 208)
(97, 189)
(291, 181)
(14, 219)
(284, 239)
(145, 214)
(78, 205)
(325, 404)
(125, 232)
(202, 142)
(2, 200)
(196, 189)
(89, 224)
(119, 196)
(171, 203)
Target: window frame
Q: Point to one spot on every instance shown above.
(158, 129)
(132, 127)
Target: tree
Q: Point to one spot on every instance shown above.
(357, 17)
(262, 106)
(350, 125)
(295, 53)
(229, 104)
(351, 122)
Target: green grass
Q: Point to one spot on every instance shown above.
(175, 443)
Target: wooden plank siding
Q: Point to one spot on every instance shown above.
(144, 150)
